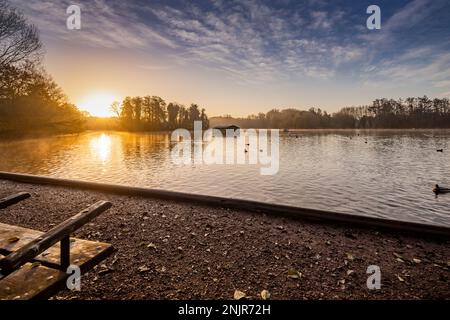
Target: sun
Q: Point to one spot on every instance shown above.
(98, 104)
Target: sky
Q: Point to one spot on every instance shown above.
(244, 57)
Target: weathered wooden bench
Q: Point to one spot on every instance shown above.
(33, 264)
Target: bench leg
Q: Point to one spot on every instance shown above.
(65, 253)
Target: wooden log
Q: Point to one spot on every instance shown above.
(16, 259)
(297, 213)
(13, 199)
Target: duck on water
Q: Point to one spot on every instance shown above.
(437, 190)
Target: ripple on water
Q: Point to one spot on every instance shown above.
(391, 176)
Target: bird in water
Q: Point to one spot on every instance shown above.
(440, 150)
(437, 190)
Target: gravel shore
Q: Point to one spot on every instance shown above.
(171, 250)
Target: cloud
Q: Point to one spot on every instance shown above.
(254, 42)
(102, 24)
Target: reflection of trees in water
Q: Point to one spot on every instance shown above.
(85, 154)
(37, 155)
(144, 151)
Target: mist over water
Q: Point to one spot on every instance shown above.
(391, 176)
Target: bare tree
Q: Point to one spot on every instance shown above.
(19, 40)
(116, 108)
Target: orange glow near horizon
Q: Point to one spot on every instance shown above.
(98, 104)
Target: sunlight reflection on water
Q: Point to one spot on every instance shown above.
(101, 147)
(390, 176)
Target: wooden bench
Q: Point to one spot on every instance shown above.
(33, 264)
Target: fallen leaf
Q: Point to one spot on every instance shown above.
(415, 260)
(105, 271)
(350, 257)
(143, 269)
(399, 260)
(35, 264)
(238, 295)
(400, 278)
(294, 274)
(265, 295)
(398, 255)
(13, 239)
(349, 272)
(151, 245)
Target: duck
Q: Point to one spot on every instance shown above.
(437, 190)
(440, 150)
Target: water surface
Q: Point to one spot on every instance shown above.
(390, 176)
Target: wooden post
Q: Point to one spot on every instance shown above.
(65, 253)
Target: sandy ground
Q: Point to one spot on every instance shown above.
(170, 250)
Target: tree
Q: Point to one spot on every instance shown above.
(115, 108)
(194, 115)
(173, 110)
(151, 113)
(19, 40)
(158, 106)
(204, 119)
(127, 110)
(36, 102)
(136, 103)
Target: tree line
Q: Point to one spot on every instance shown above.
(421, 112)
(152, 113)
(29, 98)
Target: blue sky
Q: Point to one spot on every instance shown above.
(241, 57)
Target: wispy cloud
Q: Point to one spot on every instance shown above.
(103, 24)
(264, 41)
(255, 42)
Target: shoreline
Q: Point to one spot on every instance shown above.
(15, 135)
(276, 210)
(168, 249)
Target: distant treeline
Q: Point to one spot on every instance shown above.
(151, 113)
(419, 112)
(29, 99)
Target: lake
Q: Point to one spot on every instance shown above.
(376, 173)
